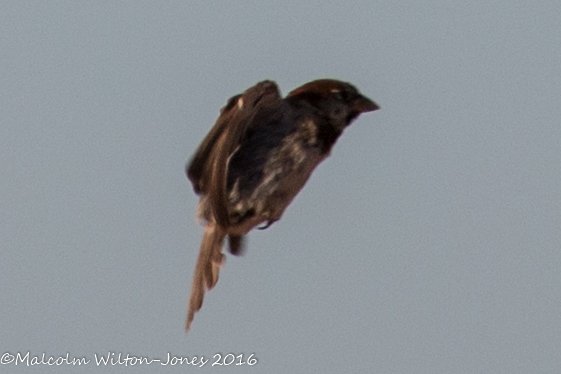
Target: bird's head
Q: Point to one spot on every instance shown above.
(339, 102)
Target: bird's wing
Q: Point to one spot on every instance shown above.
(208, 169)
(196, 168)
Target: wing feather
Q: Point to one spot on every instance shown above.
(208, 169)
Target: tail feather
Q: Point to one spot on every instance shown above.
(208, 266)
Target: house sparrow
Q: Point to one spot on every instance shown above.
(256, 159)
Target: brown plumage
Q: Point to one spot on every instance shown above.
(256, 159)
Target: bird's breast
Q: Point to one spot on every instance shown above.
(284, 174)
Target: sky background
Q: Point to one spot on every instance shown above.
(429, 242)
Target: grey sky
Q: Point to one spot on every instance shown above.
(429, 242)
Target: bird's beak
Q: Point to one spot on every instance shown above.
(363, 104)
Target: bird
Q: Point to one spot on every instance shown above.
(256, 158)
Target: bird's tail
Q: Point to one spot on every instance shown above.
(208, 267)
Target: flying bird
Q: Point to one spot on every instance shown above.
(257, 157)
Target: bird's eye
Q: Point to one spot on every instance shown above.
(337, 94)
